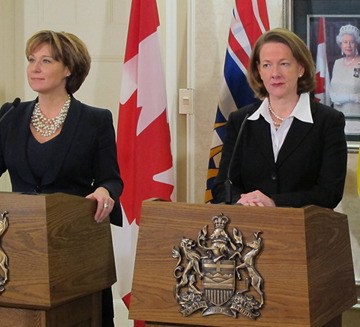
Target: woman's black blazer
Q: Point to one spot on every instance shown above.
(311, 165)
(84, 160)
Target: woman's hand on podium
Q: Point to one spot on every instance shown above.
(256, 199)
(105, 203)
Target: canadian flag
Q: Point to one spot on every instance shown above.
(321, 92)
(143, 134)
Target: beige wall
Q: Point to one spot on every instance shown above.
(200, 33)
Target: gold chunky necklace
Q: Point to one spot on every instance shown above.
(48, 126)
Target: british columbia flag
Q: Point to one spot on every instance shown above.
(249, 21)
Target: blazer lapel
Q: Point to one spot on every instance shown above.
(20, 142)
(67, 135)
(261, 132)
(298, 130)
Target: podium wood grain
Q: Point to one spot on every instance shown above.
(57, 252)
(306, 263)
(82, 312)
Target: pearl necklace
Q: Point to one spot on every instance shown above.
(276, 116)
(48, 126)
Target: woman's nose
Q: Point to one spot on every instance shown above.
(274, 72)
(35, 66)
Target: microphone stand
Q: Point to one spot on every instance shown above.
(12, 107)
(228, 182)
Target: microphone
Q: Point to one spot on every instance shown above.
(13, 106)
(228, 182)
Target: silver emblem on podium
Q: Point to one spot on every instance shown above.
(4, 223)
(217, 274)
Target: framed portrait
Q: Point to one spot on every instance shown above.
(342, 84)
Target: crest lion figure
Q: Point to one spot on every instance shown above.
(217, 273)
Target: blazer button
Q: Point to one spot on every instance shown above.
(273, 176)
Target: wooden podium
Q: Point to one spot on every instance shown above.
(59, 261)
(305, 263)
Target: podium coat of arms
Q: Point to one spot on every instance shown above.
(217, 273)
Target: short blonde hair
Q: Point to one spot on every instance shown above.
(68, 49)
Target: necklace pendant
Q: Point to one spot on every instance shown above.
(276, 124)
